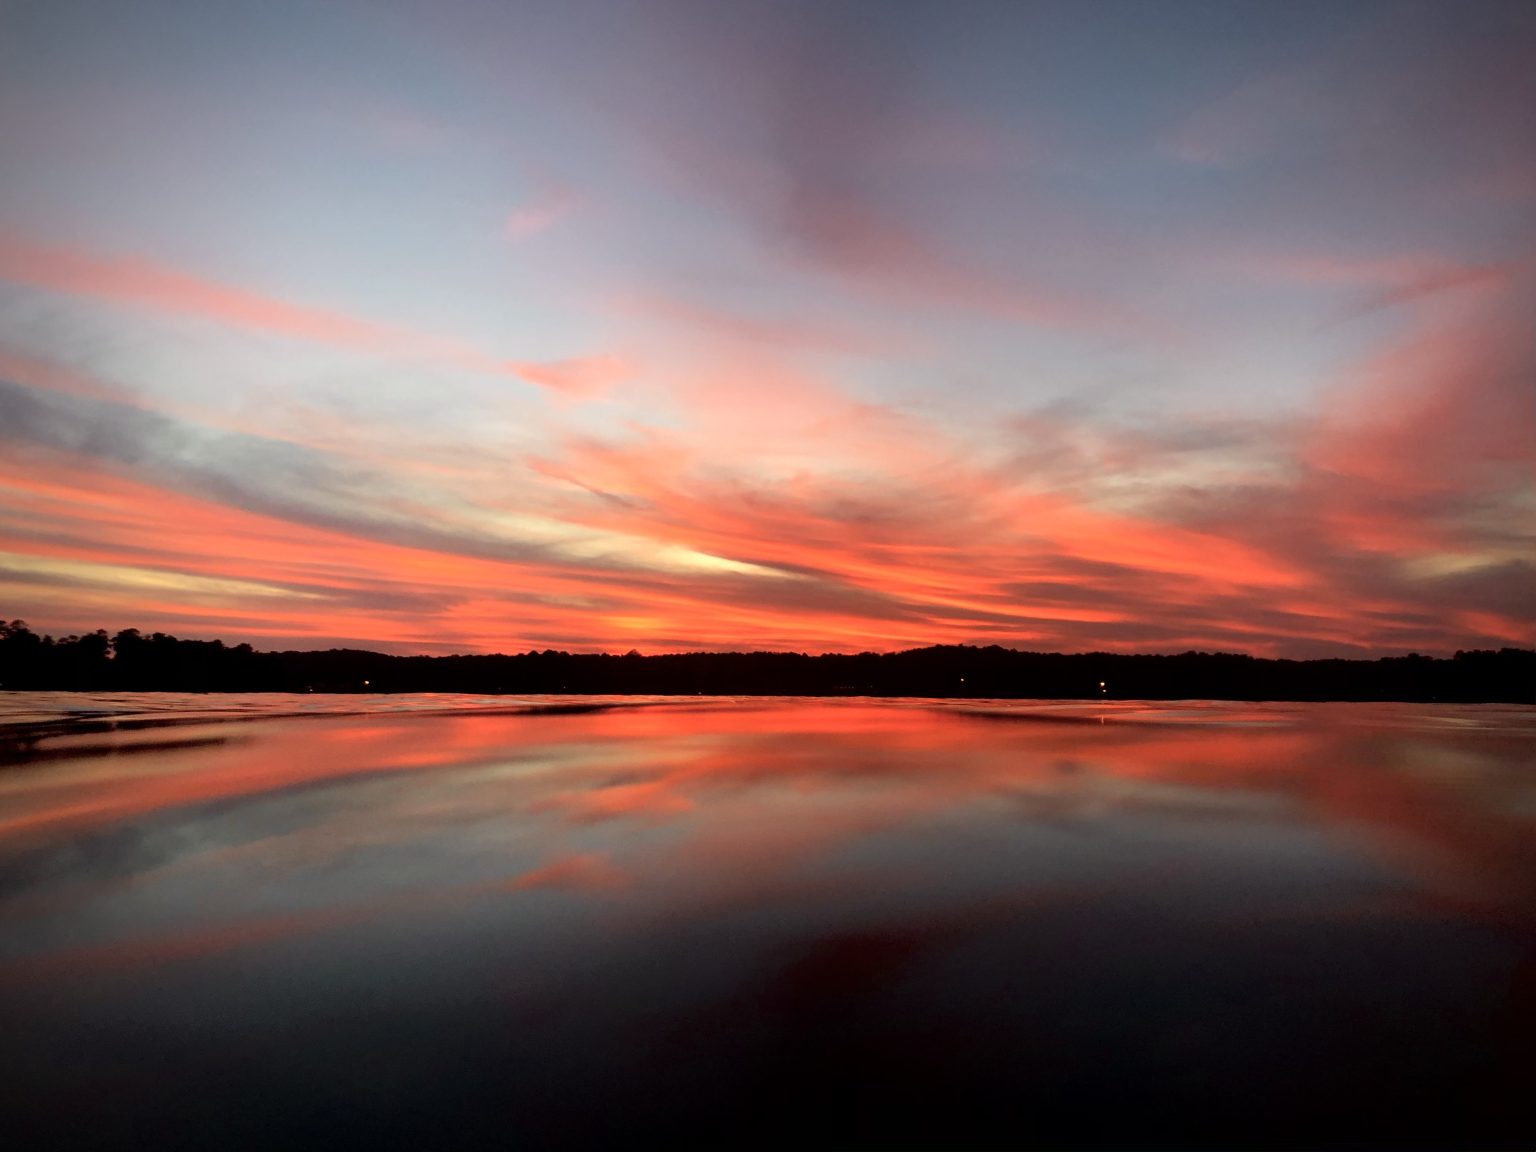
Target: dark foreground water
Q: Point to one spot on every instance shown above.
(467, 922)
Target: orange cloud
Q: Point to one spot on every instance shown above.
(582, 871)
(778, 512)
(582, 376)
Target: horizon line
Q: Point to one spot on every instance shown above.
(1363, 658)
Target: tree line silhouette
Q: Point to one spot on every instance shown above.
(133, 661)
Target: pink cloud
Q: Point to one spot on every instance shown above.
(547, 207)
(579, 377)
(1443, 409)
(1255, 118)
(583, 871)
(1383, 281)
(130, 280)
(894, 532)
(858, 241)
(145, 284)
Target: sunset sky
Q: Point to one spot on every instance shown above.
(825, 326)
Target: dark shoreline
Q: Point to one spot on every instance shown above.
(133, 662)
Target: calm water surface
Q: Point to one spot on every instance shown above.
(427, 922)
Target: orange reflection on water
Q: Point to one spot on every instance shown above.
(758, 784)
(1167, 901)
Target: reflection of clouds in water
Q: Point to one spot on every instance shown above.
(341, 804)
(901, 897)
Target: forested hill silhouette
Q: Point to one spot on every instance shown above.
(132, 661)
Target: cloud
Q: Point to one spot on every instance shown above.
(817, 131)
(1411, 489)
(145, 284)
(547, 207)
(578, 378)
(1365, 524)
(102, 493)
(1449, 407)
(581, 872)
(302, 486)
(1396, 516)
(1405, 109)
(1252, 121)
(136, 281)
(1377, 281)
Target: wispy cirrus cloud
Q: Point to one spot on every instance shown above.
(819, 135)
(141, 283)
(549, 204)
(891, 548)
(581, 376)
(1361, 527)
(1030, 331)
(1379, 281)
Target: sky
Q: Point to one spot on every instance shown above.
(837, 326)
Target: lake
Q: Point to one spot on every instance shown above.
(441, 922)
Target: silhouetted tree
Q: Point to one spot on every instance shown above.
(131, 660)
